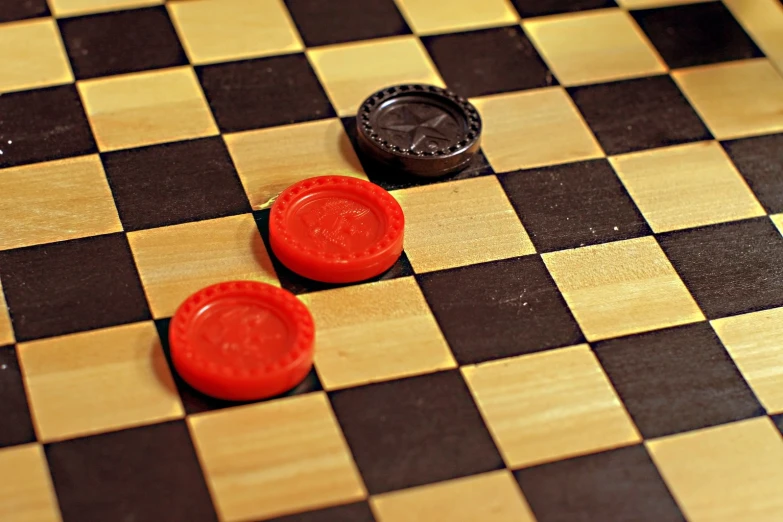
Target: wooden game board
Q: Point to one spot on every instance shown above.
(585, 325)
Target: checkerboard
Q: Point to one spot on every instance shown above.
(586, 323)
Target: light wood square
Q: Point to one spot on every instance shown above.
(763, 21)
(176, 261)
(489, 497)
(649, 4)
(686, 186)
(269, 160)
(146, 108)
(63, 8)
(778, 221)
(726, 473)
(55, 201)
(735, 99)
(755, 342)
(98, 381)
(389, 333)
(594, 46)
(6, 329)
(552, 130)
(460, 223)
(444, 16)
(274, 458)
(549, 406)
(622, 288)
(223, 30)
(33, 55)
(352, 72)
(26, 491)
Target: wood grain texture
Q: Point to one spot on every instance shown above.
(489, 497)
(81, 7)
(762, 19)
(146, 108)
(98, 381)
(352, 72)
(552, 130)
(33, 56)
(622, 288)
(594, 47)
(755, 342)
(741, 464)
(389, 333)
(451, 16)
(686, 186)
(26, 494)
(754, 87)
(55, 201)
(176, 261)
(6, 328)
(550, 406)
(460, 223)
(225, 30)
(275, 458)
(269, 160)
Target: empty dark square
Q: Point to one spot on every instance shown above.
(778, 420)
(339, 21)
(266, 92)
(196, 402)
(730, 268)
(617, 485)
(499, 309)
(415, 431)
(22, 9)
(17, 426)
(677, 380)
(633, 115)
(696, 34)
(527, 8)
(359, 512)
(488, 61)
(760, 160)
(147, 473)
(121, 42)
(42, 125)
(174, 183)
(67, 287)
(573, 205)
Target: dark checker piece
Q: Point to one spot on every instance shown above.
(421, 130)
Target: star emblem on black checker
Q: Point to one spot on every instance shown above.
(414, 128)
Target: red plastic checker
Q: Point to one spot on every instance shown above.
(336, 229)
(242, 340)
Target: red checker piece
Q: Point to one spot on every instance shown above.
(336, 229)
(242, 340)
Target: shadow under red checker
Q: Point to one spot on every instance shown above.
(246, 340)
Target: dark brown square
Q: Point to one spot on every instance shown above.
(730, 268)
(196, 402)
(340, 21)
(499, 309)
(174, 183)
(573, 205)
(22, 9)
(633, 115)
(528, 8)
(778, 420)
(488, 61)
(72, 286)
(359, 512)
(696, 34)
(17, 426)
(617, 485)
(760, 160)
(121, 42)
(147, 473)
(43, 125)
(266, 92)
(677, 380)
(415, 431)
